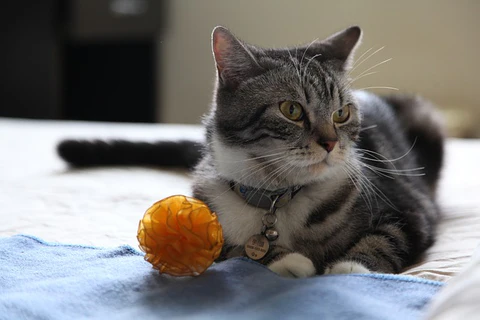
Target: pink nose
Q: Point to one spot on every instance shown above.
(328, 145)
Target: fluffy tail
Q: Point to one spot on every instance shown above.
(92, 153)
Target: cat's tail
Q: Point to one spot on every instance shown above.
(93, 153)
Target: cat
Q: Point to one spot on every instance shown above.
(355, 173)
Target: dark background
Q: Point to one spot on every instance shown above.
(80, 59)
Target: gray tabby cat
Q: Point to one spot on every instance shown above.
(307, 176)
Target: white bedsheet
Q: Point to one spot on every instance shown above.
(40, 196)
(459, 298)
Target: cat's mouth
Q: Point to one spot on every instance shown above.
(310, 158)
(316, 163)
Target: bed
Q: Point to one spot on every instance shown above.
(49, 204)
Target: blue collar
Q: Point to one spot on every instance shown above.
(262, 198)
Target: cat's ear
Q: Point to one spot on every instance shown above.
(341, 46)
(234, 61)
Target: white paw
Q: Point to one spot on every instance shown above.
(345, 267)
(293, 265)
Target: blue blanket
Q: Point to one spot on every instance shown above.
(40, 280)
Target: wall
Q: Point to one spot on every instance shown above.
(435, 45)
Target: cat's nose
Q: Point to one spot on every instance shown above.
(328, 145)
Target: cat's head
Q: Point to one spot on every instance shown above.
(283, 117)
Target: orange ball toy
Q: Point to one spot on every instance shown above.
(180, 236)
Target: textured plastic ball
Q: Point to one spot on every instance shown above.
(180, 236)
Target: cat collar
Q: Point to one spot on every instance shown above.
(262, 198)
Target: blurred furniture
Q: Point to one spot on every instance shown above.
(80, 59)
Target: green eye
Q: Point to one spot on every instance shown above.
(292, 110)
(342, 114)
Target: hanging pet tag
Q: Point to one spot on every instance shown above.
(257, 247)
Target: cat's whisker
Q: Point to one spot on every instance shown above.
(380, 173)
(263, 167)
(405, 172)
(361, 76)
(308, 63)
(388, 88)
(297, 175)
(395, 159)
(372, 152)
(304, 52)
(295, 65)
(374, 188)
(365, 73)
(377, 156)
(365, 183)
(271, 177)
(252, 170)
(397, 170)
(350, 176)
(282, 148)
(258, 168)
(279, 171)
(257, 158)
(374, 159)
(361, 62)
(361, 56)
(369, 127)
(264, 160)
(382, 195)
(286, 170)
(364, 191)
(374, 66)
(388, 172)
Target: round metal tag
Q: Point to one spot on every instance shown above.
(257, 247)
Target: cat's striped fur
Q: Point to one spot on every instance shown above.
(365, 206)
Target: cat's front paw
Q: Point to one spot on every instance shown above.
(293, 265)
(345, 267)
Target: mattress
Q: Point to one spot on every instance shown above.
(42, 197)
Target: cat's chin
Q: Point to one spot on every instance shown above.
(318, 168)
(311, 171)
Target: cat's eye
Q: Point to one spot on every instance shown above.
(292, 110)
(342, 115)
